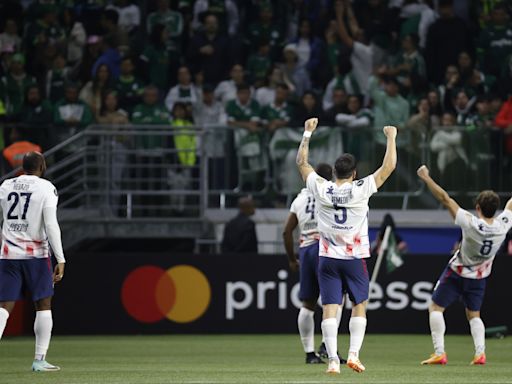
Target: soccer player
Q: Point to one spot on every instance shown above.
(29, 205)
(342, 208)
(467, 271)
(302, 213)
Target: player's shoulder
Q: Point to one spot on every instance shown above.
(505, 217)
(47, 186)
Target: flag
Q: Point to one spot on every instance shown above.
(394, 257)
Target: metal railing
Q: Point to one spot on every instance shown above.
(136, 172)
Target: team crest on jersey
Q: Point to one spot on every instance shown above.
(359, 182)
(481, 227)
(505, 220)
(330, 190)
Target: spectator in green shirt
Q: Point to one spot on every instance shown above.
(265, 29)
(36, 116)
(14, 84)
(279, 113)
(173, 22)
(57, 78)
(158, 61)
(259, 63)
(150, 111)
(129, 88)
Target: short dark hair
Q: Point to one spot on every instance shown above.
(324, 170)
(111, 15)
(243, 87)
(344, 166)
(283, 86)
(32, 162)
(488, 201)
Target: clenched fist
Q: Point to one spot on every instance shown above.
(310, 124)
(423, 172)
(389, 131)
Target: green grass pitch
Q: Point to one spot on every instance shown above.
(245, 359)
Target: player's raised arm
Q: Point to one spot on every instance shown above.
(439, 193)
(289, 227)
(302, 155)
(389, 162)
(54, 237)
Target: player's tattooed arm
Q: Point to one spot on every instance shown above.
(303, 153)
(439, 193)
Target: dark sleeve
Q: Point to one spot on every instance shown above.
(252, 241)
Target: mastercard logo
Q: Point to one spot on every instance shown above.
(181, 294)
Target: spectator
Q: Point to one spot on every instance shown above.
(408, 62)
(129, 88)
(295, 75)
(259, 63)
(129, 15)
(9, 37)
(482, 118)
(264, 30)
(353, 116)
(401, 245)
(361, 56)
(117, 37)
(308, 108)
(36, 117)
(244, 112)
(505, 80)
(71, 114)
(14, 84)
(6, 53)
(504, 121)
(150, 111)
(225, 11)
(420, 124)
(279, 113)
(14, 153)
(226, 90)
(310, 50)
(440, 51)
(184, 92)
(110, 57)
(339, 98)
(82, 70)
(495, 42)
(210, 114)
(110, 113)
(92, 92)
(460, 104)
(435, 106)
(173, 22)
(265, 95)
(240, 232)
(56, 78)
(157, 59)
(185, 138)
(76, 37)
(473, 81)
(209, 51)
(452, 160)
(389, 107)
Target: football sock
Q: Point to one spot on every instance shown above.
(330, 332)
(357, 328)
(338, 315)
(437, 328)
(43, 331)
(306, 329)
(478, 332)
(4, 315)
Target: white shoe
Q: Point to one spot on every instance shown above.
(354, 363)
(334, 367)
(44, 366)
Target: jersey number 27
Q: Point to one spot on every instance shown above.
(15, 197)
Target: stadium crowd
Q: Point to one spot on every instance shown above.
(257, 66)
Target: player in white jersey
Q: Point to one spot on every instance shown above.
(30, 227)
(303, 215)
(467, 271)
(342, 208)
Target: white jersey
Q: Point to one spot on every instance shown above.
(342, 216)
(480, 243)
(304, 208)
(23, 233)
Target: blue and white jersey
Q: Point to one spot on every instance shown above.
(304, 208)
(480, 243)
(342, 216)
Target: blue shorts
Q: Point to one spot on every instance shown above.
(336, 276)
(18, 276)
(451, 286)
(309, 289)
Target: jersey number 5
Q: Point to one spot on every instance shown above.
(343, 218)
(16, 198)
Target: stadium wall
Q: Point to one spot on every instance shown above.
(166, 293)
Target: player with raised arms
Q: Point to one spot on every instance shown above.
(302, 214)
(467, 271)
(29, 205)
(342, 208)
